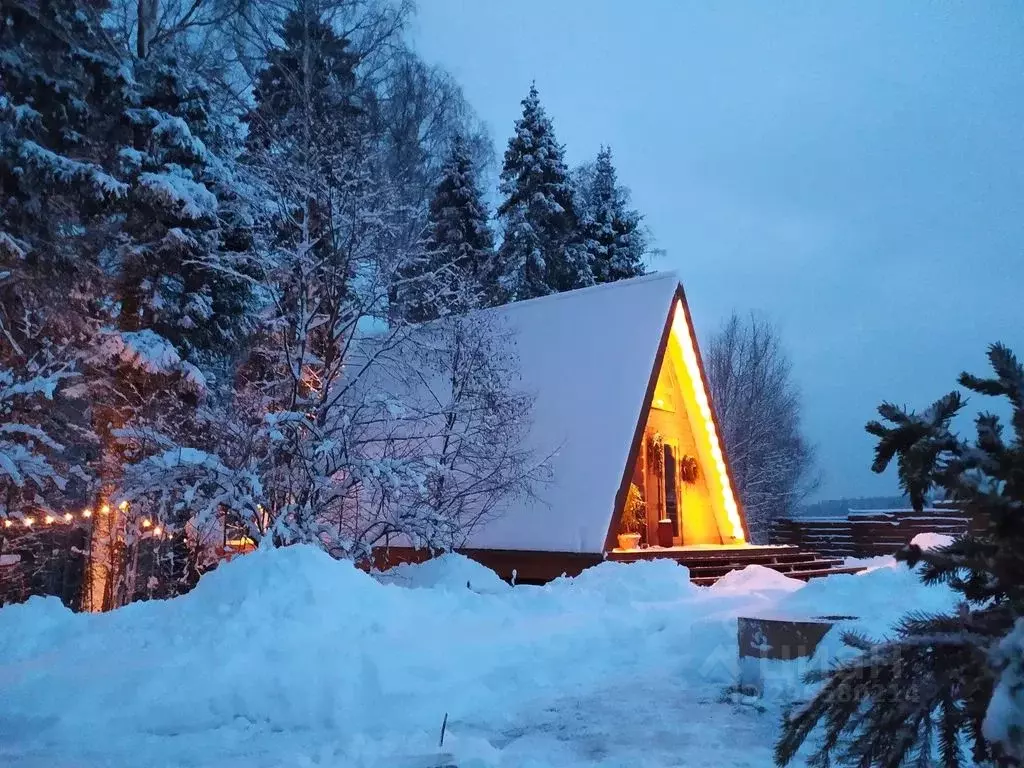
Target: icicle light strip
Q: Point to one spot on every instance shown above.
(681, 330)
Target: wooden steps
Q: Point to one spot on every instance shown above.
(707, 566)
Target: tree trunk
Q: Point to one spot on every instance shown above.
(147, 11)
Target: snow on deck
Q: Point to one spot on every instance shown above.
(587, 357)
(709, 548)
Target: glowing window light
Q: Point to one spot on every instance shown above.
(48, 519)
(681, 330)
(29, 522)
(8, 523)
(86, 513)
(146, 523)
(158, 531)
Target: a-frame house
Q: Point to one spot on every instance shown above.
(621, 400)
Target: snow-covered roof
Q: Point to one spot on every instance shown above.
(587, 357)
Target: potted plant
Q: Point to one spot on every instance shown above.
(634, 519)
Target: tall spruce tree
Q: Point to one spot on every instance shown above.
(307, 100)
(456, 269)
(64, 93)
(187, 231)
(311, 147)
(612, 232)
(943, 682)
(541, 252)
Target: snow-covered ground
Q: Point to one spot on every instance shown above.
(288, 658)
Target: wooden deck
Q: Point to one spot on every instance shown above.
(868, 533)
(708, 564)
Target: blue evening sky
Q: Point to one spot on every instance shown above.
(853, 170)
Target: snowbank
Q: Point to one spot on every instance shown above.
(756, 578)
(449, 571)
(628, 583)
(288, 657)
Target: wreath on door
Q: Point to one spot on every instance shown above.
(689, 469)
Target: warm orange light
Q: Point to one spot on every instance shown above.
(681, 330)
(158, 531)
(8, 523)
(146, 523)
(68, 516)
(105, 509)
(86, 513)
(123, 506)
(29, 522)
(48, 519)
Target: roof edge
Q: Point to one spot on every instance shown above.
(668, 275)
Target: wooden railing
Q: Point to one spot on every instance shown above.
(867, 533)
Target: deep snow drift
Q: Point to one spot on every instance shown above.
(288, 658)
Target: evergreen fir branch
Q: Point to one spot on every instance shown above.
(925, 693)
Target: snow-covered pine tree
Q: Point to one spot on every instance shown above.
(33, 468)
(185, 239)
(306, 95)
(331, 228)
(121, 253)
(948, 682)
(613, 234)
(541, 252)
(420, 108)
(63, 98)
(311, 148)
(456, 269)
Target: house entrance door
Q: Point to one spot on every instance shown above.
(670, 491)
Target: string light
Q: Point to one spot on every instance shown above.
(28, 521)
(69, 517)
(681, 330)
